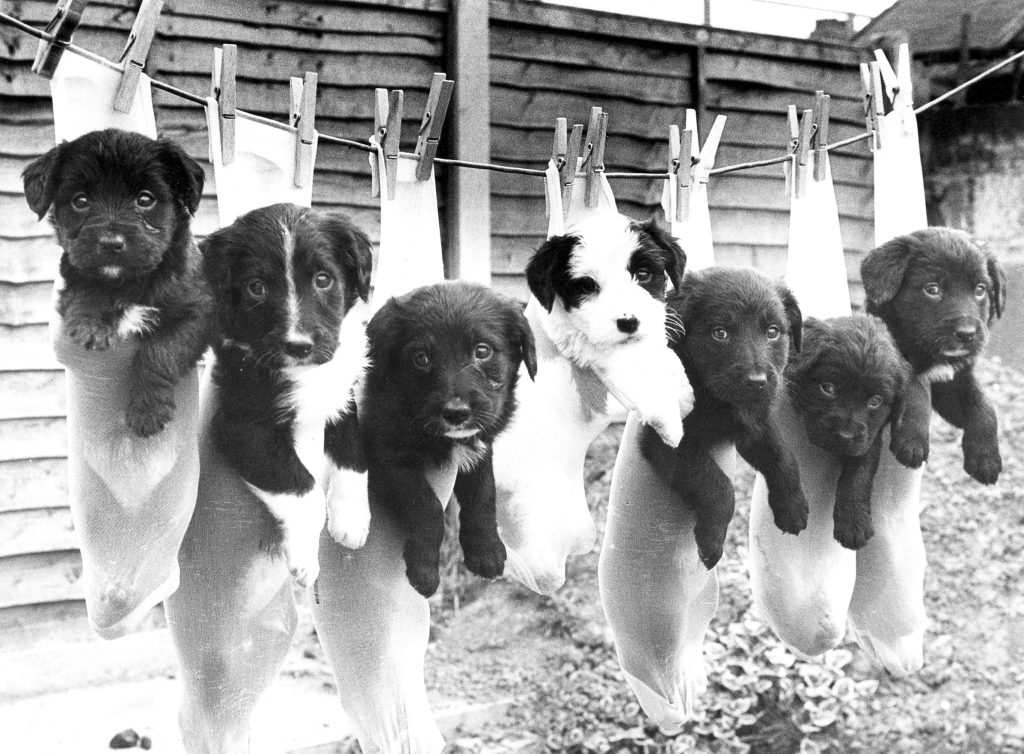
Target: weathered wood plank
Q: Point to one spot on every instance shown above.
(565, 46)
(36, 531)
(44, 437)
(25, 303)
(621, 84)
(516, 13)
(33, 483)
(782, 74)
(31, 392)
(40, 577)
(28, 260)
(25, 335)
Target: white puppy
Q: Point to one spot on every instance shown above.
(598, 317)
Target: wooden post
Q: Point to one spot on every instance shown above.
(467, 253)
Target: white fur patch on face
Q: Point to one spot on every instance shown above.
(138, 320)
(288, 251)
(585, 332)
(461, 434)
(940, 373)
(111, 271)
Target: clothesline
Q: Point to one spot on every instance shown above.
(493, 167)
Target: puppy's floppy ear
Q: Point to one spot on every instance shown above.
(997, 293)
(352, 247)
(793, 314)
(675, 257)
(881, 271)
(814, 336)
(184, 174)
(40, 179)
(550, 261)
(522, 336)
(216, 264)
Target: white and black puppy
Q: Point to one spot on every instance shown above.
(122, 206)
(287, 356)
(445, 361)
(603, 286)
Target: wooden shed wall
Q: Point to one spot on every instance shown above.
(550, 61)
(545, 62)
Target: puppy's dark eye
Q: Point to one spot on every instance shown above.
(980, 290)
(828, 388)
(256, 288)
(145, 200)
(643, 275)
(720, 333)
(584, 286)
(932, 290)
(874, 401)
(80, 202)
(421, 360)
(482, 351)
(773, 332)
(323, 281)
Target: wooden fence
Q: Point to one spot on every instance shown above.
(544, 62)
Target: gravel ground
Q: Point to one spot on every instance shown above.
(554, 658)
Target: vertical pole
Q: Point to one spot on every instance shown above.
(468, 209)
(707, 12)
(963, 70)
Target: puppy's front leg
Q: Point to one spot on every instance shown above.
(691, 472)
(400, 486)
(267, 462)
(164, 355)
(348, 502)
(768, 453)
(909, 441)
(90, 318)
(963, 404)
(851, 516)
(482, 548)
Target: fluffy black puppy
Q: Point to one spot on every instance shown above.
(441, 385)
(121, 204)
(737, 325)
(846, 383)
(938, 292)
(287, 357)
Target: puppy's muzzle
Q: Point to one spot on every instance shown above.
(298, 348)
(456, 412)
(112, 244)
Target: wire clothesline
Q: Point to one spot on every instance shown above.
(493, 167)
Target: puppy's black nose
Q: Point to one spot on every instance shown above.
(628, 325)
(112, 244)
(757, 380)
(966, 333)
(455, 412)
(298, 349)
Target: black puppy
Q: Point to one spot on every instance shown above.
(736, 324)
(444, 364)
(287, 356)
(846, 383)
(938, 292)
(121, 204)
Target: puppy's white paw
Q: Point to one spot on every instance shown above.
(303, 561)
(348, 509)
(668, 425)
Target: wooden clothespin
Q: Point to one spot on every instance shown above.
(704, 159)
(433, 122)
(821, 113)
(793, 120)
(597, 132)
(133, 59)
(868, 103)
(225, 71)
(803, 151)
(877, 102)
(560, 143)
(680, 160)
(387, 132)
(568, 171)
(62, 26)
(303, 112)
